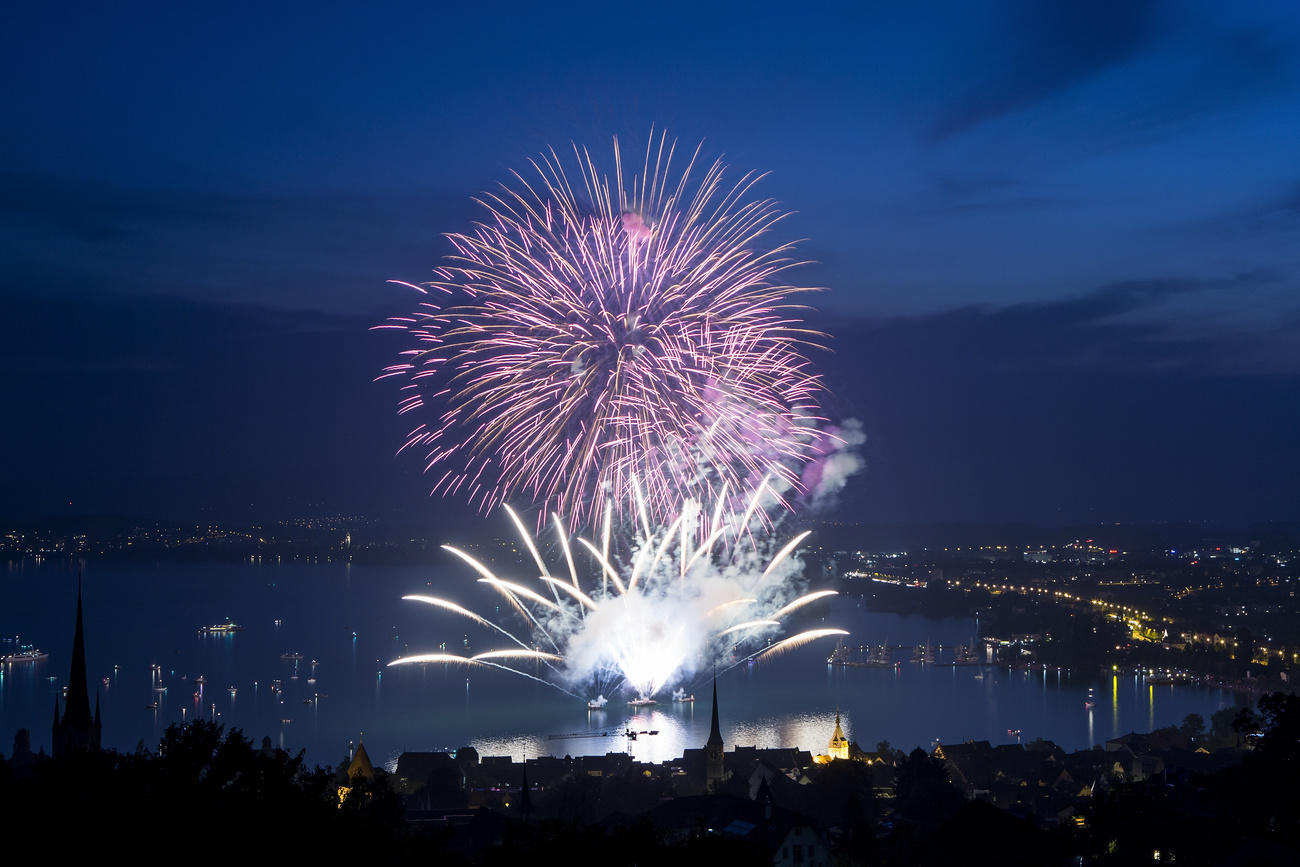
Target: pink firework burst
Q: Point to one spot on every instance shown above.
(598, 340)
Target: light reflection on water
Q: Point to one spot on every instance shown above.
(807, 731)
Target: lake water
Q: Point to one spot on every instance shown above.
(351, 620)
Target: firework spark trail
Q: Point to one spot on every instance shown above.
(786, 644)
(802, 601)
(598, 343)
(452, 659)
(675, 611)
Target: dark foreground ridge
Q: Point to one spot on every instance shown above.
(1186, 795)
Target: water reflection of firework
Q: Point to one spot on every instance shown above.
(706, 589)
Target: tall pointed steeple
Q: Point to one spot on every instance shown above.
(77, 711)
(525, 794)
(77, 730)
(715, 733)
(713, 763)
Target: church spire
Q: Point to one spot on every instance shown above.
(77, 710)
(78, 730)
(714, 766)
(525, 794)
(715, 733)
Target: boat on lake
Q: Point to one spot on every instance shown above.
(32, 654)
(227, 628)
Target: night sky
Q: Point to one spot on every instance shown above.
(1061, 240)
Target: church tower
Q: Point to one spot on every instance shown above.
(77, 731)
(360, 768)
(713, 748)
(839, 745)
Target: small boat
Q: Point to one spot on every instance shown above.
(30, 655)
(227, 628)
(200, 680)
(642, 702)
(153, 706)
(680, 696)
(311, 680)
(291, 656)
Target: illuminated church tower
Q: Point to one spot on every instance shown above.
(839, 745)
(360, 768)
(713, 748)
(77, 731)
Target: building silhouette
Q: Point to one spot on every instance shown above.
(77, 731)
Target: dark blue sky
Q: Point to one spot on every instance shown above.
(1062, 239)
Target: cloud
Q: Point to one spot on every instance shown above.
(1197, 323)
(1034, 50)
(1270, 216)
(325, 250)
(1108, 405)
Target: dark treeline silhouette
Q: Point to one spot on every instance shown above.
(201, 790)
